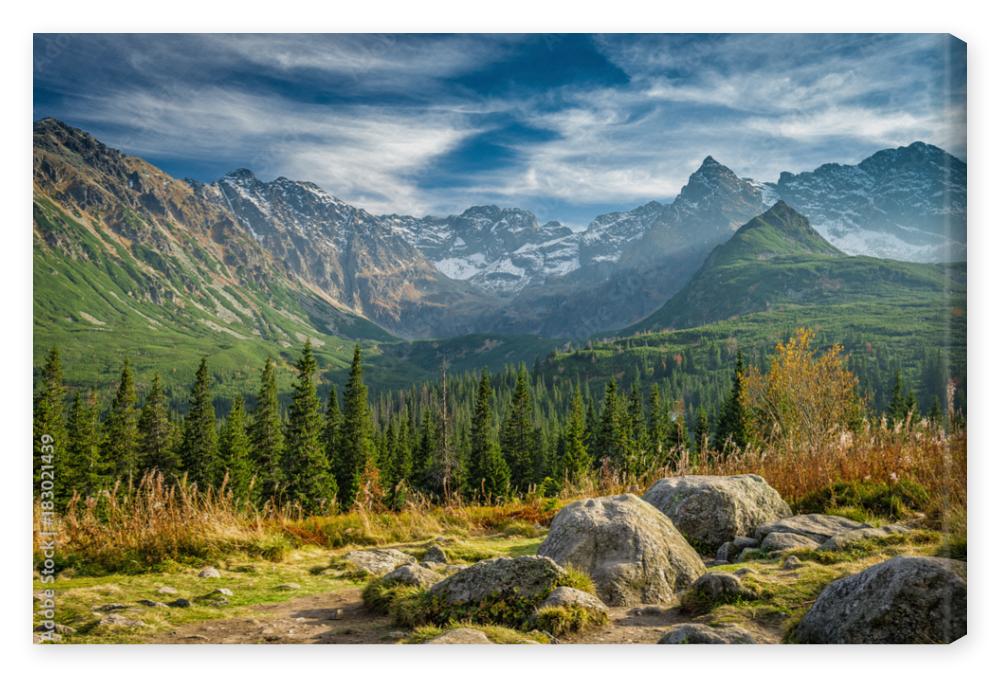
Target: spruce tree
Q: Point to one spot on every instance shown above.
(734, 419)
(575, 457)
(356, 456)
(702, 431)
(199, 448)
(84, 471)
(49, 424)
(613, 436)
(155, 433)
(310, 483)
(517, 440)
(266, 435)
(234, 455)
(657, 430)
(121, 429)
(331, 430)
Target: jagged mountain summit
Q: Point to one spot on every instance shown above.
(907, 203)
(487, 269)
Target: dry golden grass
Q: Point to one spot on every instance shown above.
(136, 528)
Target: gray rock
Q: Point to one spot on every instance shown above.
(844, 540)
(151, 603)
(571, 597)
(166, 590)
(435, 554)
(634, 554)
(729, 551)
(461, 636)
(819, 527)
(209, 572)
(109, 608)
(711, 510)
(412, 574)
(748, 554)
(180, 603)
(119, 621)
(777, 542)
(905, 600)
(57, 628)
(701, 634)
(716, 588)
(791, 563)
(378, 562)
(525, 577)
(284, 587)
(742, 572)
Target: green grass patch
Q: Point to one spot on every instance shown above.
(559, 621)
(863, 500)
(500, 635)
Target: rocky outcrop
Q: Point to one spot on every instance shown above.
(778, 542)
(819, 527)
(413, 575)
(634, 554)
(853, 537)
(377, 562)
(905, 600)
(701, 634)
(571, 597)
(461, 636)
(710, 510)
(529, 579)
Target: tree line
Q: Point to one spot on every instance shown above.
(477, 436)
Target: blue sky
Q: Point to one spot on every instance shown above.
(565, 125)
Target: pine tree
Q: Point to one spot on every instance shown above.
(903, 403)
(121, 429)
(657, 430)
(331, 430)
(575, 457)
(424, 471)
(356, 457)
(517, 437)
(267, 436)
(49, 425)
(155, 433)
(702, 431)
(199, 449)
(310, 482)
(402, 462)
(234, 455)
(612, 441)
(84, 471)
(734, 420)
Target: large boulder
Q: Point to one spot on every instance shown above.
(819, 527)
(378, 562)
(634, 554)
(905, 600)
(413, 575)
(701, 634)
(711, 510)
(525, 579)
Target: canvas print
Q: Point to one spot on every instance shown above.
(499, 339)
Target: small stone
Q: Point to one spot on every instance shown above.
(435, 554)
(284, 587)
(209, 572)
(741, 572)
(461, 636)
(108, 608)
(166, 590)
(119, 621)
(57, 628)
(701, 634)
(397, 635)
(336, 615)
(792, 562)
(413, 575)
(180, 603)
(151, 603)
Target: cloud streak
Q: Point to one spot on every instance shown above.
(570, 125)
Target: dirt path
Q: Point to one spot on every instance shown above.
(333, 618)
(341, 618)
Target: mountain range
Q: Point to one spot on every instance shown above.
(122, 247)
